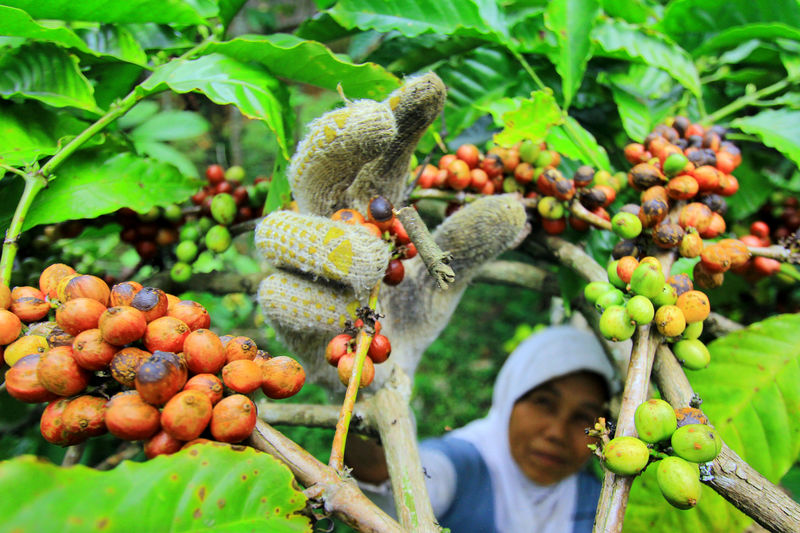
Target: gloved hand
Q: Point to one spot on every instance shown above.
(327, 268)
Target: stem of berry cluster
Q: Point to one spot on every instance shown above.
(346, 414)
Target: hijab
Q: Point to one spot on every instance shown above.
(520, 504)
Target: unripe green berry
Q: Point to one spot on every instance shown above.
(640, 309)
(696, 443)
(189, 232)
(543, 159)
(529, 151)
(613, 277)
(595, 289)
(616, 324)
(180, 272)
(609, 298)
(679, 482)
(204, 224)
(549, 207)
(667, 296)
(625, 456)
(223, 208)
(693, 353)
(235, 173)
(218, 238)
(647, 281)
(173, 213)
(626, 225)
(186, 251)
(693, 330)
(151, 215)
(674, 163)
(655, 421)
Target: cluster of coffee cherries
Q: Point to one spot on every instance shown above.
(381, 222)
(340, 352)
(528, 168)
(757, 267)
(679, 439)
(133, 361)
(638, 294)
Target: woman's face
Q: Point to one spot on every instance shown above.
(546, 430)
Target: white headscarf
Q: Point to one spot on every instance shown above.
(520, 504)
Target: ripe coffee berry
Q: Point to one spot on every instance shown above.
(380, 213)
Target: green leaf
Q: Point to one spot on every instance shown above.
(139, 113)
(167, 154)
(644, 96)
(621, 40)
(16, 22)
(571, 21)
(735, 36)
(160, 11)
(691, 22)
(574, 141)
(114, 80)
(280, 193)
(310, 62)
(415, 17)
(116, 41)
(633, 11)
(751, 394)
(225, 80)
(171, 126)
(90, 184)
(28, 132)
(45, 72)
(205, 487)
(228, 9)
(524, 118)
(779, 129)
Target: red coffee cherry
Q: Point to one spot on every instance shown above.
(123, 293)
(22, 381)
(345, 370)
(186, 415)
(160, 376)
(204, 352)
(85, 415)
(51, 425)
(215, 174)
(233, 418)
(60, 373)
(242, 375)
(10, 327)
(126, 363)
(162, 443)
(282, 377)
(91, 351)
(379, 349)
(191, 313)
(152, 302)
(208, 384)
(395, 272)
(240, 348)
(337, 347)
(128, 417)
(165, 334)
(79, 315)
(50, 276)
(122, 325)
(87, 286)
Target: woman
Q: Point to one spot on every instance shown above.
(520, 469)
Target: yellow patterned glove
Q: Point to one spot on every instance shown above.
(327, 267)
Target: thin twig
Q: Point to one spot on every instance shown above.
(127, 451)
(73, 455)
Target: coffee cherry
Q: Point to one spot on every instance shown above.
(395, 272)
(640, 309)
(337, 347)
(692, 353)
(208, 384)
(190, 313)
(647, 281)
(380, 212)
(186, 251)
(160, 376)
(79, 314)
(10, 327)
(694, 305)
(379, 349)
(223, 208)
(186, 415)
(609, 298)
(233, 419)
(595, 289)
(625, 267)
(674, 164)
(215, 174)
(152, 302)
(122, 325)
(696, 443)
(242, 375)
(91, 351)
(49, 278)
(51, 425)
(613, 277)
(345, 370)
(282, 377)
(690, 415)
(679, 482)
(166, 334)
(625, 456)
(655, 421)
(5, 296)
(240, 347)
(23, 383)
(29, 344)
(616, 324)
(670, 320)
(60, 373)
(626, 225)
(162, 443)
(204, 352)
(85, 415)
(123, 293)
(128, 417)
(218, 238)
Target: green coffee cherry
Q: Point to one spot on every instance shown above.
(625, 456)
(173, 213)
(151, 215)
(529, 151)
(189, 232)
(655, 421)
(693, 330)
(640, 309)
(696, 443)
(679, 482)
(674, 163)
(626, 225)
(223, 208)
(180, 272)
(205, 224)
(616, 324)
(609, 298)
(647, 281)
(218, 238)
(235, 173)
(693, 353)
(667, 296)
(548, 206)
(613, 277)
(595, 289)
(543, 159)
(186, 251)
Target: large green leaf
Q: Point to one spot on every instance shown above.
(524, 118)
(28, 132)
(691, 22)
(225, 80)
(207, 487)
(45, 72)
(167, 154)
(779, 129)
(414, 17)
(644, 96)
(739, 34)
(633, 11)
(91, 184)
(751, 393)
(576, 142)
(170, 126)
(114, 40)
(160, 11)
(310, 62)
(228, 9)
(621, 40)
(571, 21)
(18, 23)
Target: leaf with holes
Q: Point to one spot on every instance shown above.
(620, 40)
(202, 488)
(45, 72)
(571, 21)
(779, 129)
(415, 17)
(309, 62)
(225, 81)
(751, 394)
(159, 11)
(91, 184)
(524, 118)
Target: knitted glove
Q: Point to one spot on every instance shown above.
(327, 268)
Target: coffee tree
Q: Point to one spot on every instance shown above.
(639, 157)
